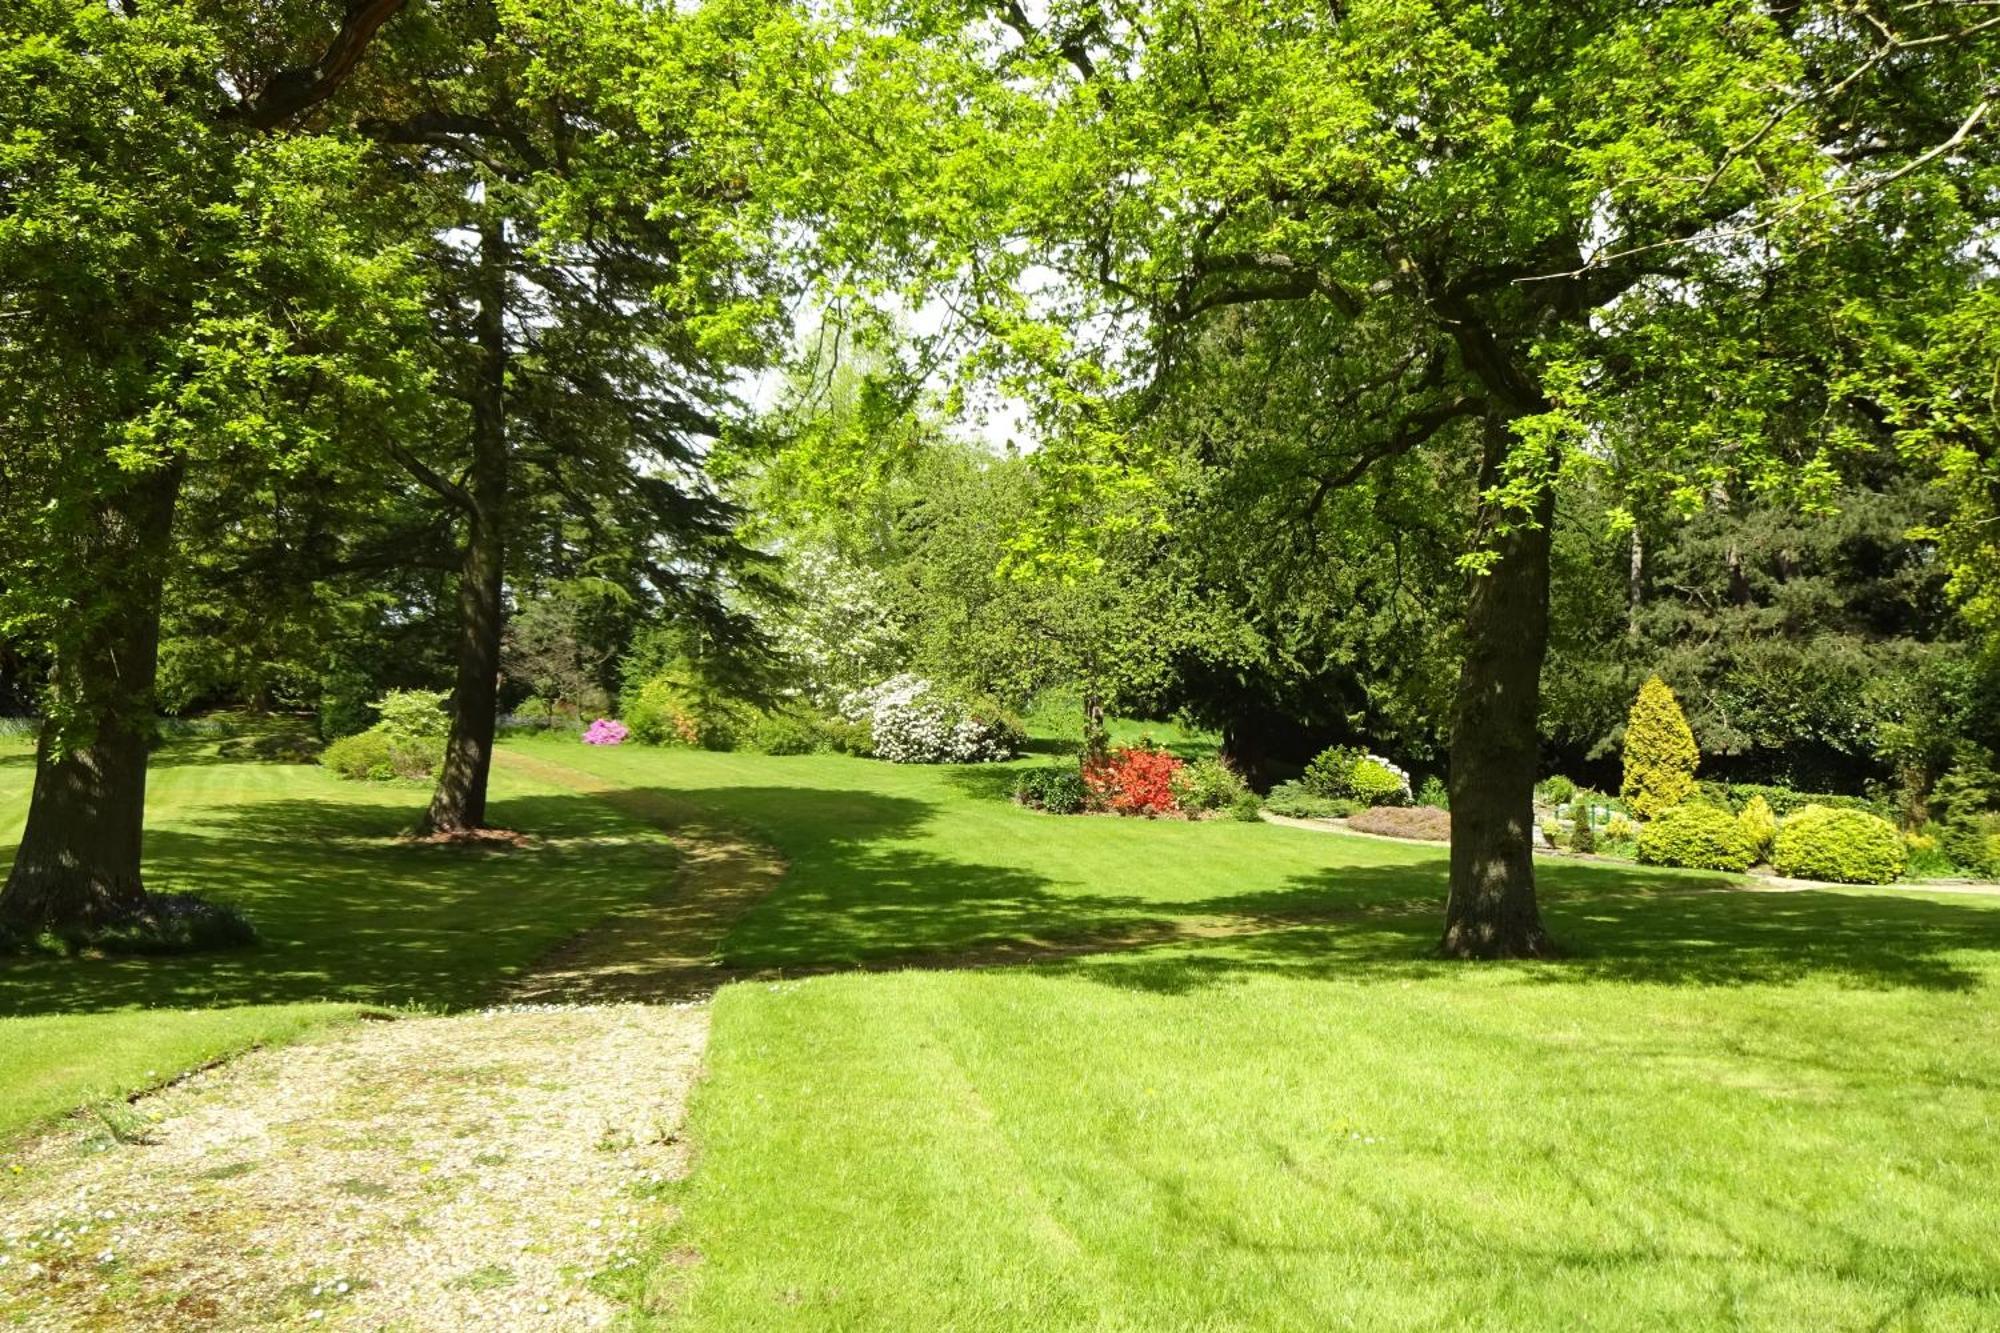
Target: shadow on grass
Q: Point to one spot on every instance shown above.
(1671, 932)
(348, 912)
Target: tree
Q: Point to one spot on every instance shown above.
(1505, 227)
(1660, 753)
(183, 281)
(592, 298)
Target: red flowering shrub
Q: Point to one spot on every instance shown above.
(1133, 780)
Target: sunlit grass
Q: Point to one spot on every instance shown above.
(1725, 1109)
(347, 913)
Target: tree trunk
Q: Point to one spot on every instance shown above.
(459, 803)
(1491, 912)
(1096, 736)
(1635, 584)
(78, 866)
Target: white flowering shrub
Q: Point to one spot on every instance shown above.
(913, 723)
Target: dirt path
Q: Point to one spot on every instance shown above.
(479, 1171)
(664, 950)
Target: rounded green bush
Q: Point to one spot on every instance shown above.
(1331, 773)
(1699, 837)
(1057, 790)
(1372, 784)
(1838, 846)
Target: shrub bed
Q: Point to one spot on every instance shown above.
(407, 743)
(1698, 837)
(1295, 800)
(1420, 822)
(1839, 847)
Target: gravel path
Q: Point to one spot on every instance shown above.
(472, 1172)
(484, 1171)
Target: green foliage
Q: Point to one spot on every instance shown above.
(1208, 785)
(1973, 843)
(408, 742)
(1926, 858)
(413, 717)
(1660, 753)
(1760, 825)
(1331, 772)
(375, 756)
(852, 736)
(1838, 846)
(1783, 801)
(1434, 793)
(1058, 789)
(1582, 834)
(1697, 836)
(1558, 790)
(1296, 800)
(1373, 784)
(667, 710)
(785, 733)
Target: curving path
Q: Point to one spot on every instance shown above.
(485, 1171)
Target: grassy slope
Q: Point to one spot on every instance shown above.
(347, 916)
(1728, 1109)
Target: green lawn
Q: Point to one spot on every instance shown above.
(1726, 1110)
(348, 915)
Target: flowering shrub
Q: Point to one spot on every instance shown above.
(1344, 773)
(1133, 780)
(605, 731)
(914, 723)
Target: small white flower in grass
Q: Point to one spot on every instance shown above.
(105, 1257)
(340, 1287)
(315, 1314)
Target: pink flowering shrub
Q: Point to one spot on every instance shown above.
(604, 731)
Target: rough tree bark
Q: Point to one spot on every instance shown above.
(1491, 911)
(459, 803)
(78, 866)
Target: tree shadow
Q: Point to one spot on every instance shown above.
(349, 910)
(1622, 927)
(987, 782)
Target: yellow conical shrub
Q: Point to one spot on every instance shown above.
(1660, 753)
(1759, 825)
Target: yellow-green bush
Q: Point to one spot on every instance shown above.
(1838, 846)
(375, 755)
(1699, 837)
(1660, 753)
(667, 710)
(1759, 825)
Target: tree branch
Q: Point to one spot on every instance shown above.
(291, 91)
